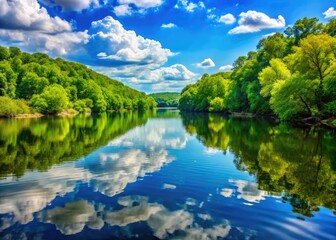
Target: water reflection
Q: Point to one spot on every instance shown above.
(73, 217)
(109, 170)
(246, 190)
(41, 143)
(164, 223)
(300, 162)
(160, 176)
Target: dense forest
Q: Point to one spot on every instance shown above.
(38, 83)
(291, 75)
(166, 99)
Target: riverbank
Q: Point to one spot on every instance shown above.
(64, 113)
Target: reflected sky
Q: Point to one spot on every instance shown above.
(155, 181)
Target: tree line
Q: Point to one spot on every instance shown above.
(38, 83)
(290, 75)
(166, 99)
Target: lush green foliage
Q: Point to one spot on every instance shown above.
(166, 99)
(292, 75)
(11, 107)
(300, 163)
(52, 85)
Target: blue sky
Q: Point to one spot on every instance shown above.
(151, 45)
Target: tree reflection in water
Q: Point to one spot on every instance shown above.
(299, 163)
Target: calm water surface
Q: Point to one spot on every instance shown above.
(165, 175)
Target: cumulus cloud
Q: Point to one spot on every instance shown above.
(253, 21)
(206, 63)
(145, 150)
(225, 68)
(179, 224)
(169, 25)
(248, 191)
(189, 6)
(34, 192)
(227, 19)
(64, 44)
(124, 168)
(116, 44)
(72, 5)
(150, 77)
(176, 72)
(73, 217)
(29, 15)
(30, 26)
(122, 10)
(331, 12)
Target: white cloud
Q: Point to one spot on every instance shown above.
(227, 192)
(227, 19)
(151, 78)
(331, 12)
(127, 167)
(189, 6)
(114, 43)
(211, 16)
(207, 63)
(253, 21)
(225, 68)
(249, 191)
(178, 224)
(176, 72)
(129, 7)
(122, 10)
(142, 3)
(64, 44)
(168, 25)
(29, 15)
(72, 5)
(72, 218)
(36, 191)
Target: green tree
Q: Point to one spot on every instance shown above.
(277, 71)
(314, 60)
(330, 27)
(7, 80)
(304, 27)
(216, 104)
(31, 84)
(52, 100)
(94, 92)
(4, 53)
(14, 52)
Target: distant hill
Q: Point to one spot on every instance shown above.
(166, 99)
(47, 85)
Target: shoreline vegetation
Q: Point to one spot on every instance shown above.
(290, 76)
(35, 83)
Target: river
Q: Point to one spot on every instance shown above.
(165, 175)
